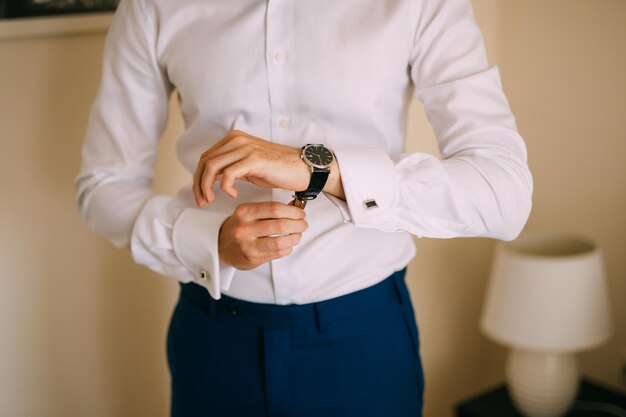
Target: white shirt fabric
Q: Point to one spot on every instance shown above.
(339, 73)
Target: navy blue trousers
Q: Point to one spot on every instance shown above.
(354, 355)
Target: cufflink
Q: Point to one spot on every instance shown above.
(370, 204)
(203, 275)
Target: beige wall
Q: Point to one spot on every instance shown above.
(564, 65)
(83, 329)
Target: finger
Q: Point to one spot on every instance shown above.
(213, 167)
(217, 149)
(233, 172)
(272, 244)
(197, 192)
(280, 254)
(249, 212)
(278, 227)
(267, 256)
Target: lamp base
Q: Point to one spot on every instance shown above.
(542, 384)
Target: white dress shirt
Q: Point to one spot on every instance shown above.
(339, 73)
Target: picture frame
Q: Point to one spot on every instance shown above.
(10, 9)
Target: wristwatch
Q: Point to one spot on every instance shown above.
(319, 158)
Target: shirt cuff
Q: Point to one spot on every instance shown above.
(370, 187)
(342, 206)
(195, 240)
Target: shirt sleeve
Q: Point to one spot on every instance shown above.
(114, 196)
(481, 186)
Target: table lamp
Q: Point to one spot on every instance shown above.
(547, 299)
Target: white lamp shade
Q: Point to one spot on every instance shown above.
(548, 293)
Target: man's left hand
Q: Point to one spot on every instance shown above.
(242, 156)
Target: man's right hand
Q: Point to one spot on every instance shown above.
(248, 237)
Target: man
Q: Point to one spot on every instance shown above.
(293, 301)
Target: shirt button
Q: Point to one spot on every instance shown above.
(203, 275)
(284, 123)
(279, 56)
(236, 310)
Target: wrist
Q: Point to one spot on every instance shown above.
(303, 171)
(334, 186)
(222, 250)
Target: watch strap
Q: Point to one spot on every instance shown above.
(316, 185)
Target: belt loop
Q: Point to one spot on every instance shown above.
(318, 319)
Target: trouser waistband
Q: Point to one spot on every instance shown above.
(319, 314)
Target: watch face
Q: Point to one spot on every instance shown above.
(318, 155)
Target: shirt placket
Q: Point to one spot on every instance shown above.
(280, 58)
